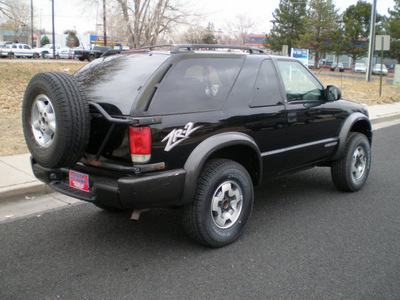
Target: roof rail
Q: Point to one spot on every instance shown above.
(192, 47)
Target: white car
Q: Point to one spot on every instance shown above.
(18, 50)
(64, 53)
(360, 68)
(47, 49)
(380, 68)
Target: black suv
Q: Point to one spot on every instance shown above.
(192, 127)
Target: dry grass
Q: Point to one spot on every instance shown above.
(16, 75)
(362, 91)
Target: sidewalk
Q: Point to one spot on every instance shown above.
(17, 179)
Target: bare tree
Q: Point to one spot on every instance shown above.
(15, 16)
(146, 20)
(236, 30)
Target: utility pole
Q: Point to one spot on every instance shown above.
(32, 23)
(371, 41)
(54, 35)
(104, 22)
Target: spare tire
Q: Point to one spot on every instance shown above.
(55, 119)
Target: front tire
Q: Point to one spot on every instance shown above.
(351, 171)
(222, 204)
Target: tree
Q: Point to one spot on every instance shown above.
(71, 40)
(200, 35)
(146, 20)
(356, 20)
(16, 14)
(393, 29)
(44, 41)
(288, 24)
(322, 22)
(209, 37)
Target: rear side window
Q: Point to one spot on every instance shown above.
(266, 89)
(199, 84)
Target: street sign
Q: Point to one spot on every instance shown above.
(382, 40)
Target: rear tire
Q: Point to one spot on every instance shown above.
(351, 171)
(55, 120)
(222, 204)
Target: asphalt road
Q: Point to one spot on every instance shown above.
(305, 240)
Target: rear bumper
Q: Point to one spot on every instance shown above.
(158, 189)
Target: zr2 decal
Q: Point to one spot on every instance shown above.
(177, 136)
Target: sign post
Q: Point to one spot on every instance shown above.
(382, 43)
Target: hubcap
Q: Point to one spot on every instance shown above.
(358, 163)
(226, 204)
(43, 121)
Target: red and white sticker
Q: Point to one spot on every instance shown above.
(79, 181)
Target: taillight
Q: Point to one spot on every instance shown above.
(140, 144)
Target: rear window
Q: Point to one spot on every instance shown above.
(118, 79)
(196, 84)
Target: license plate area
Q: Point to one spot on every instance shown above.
(79, 181)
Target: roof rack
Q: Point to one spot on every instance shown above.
(192, 47)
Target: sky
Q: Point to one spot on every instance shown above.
(73, 14)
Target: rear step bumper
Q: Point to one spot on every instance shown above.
(158, 189)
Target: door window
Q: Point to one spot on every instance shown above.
(300, 85)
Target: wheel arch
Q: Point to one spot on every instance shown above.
(356, 122)
(235, 146)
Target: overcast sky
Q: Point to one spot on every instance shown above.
(73, 15)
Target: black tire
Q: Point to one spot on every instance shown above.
(81, 58)
(35, 55)
(351, 171)
(11, 55)
(91, 57)
(207, 225)
(55, 120)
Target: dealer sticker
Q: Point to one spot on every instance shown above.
(79, 181)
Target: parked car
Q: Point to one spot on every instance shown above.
(360, 68)
(380, 68)
(18, 50)
(337, 65)
(311, 64)
(4, 43)
(47, 49)
(192, 129)
(64, 53)
(91, 54)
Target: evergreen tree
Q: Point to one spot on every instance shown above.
(356, 20)
(322, 24)
(71, 40)
(44, 41)
(209, 37)
(288, 24)
(393, 29)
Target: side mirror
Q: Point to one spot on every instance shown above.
(333, 93)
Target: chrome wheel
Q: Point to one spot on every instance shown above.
(43, 120)
(226, 204)
(358, 163)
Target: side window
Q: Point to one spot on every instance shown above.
(27, 47)
(300, 85)
(266, 89)
(198, 84)
(14, 46)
